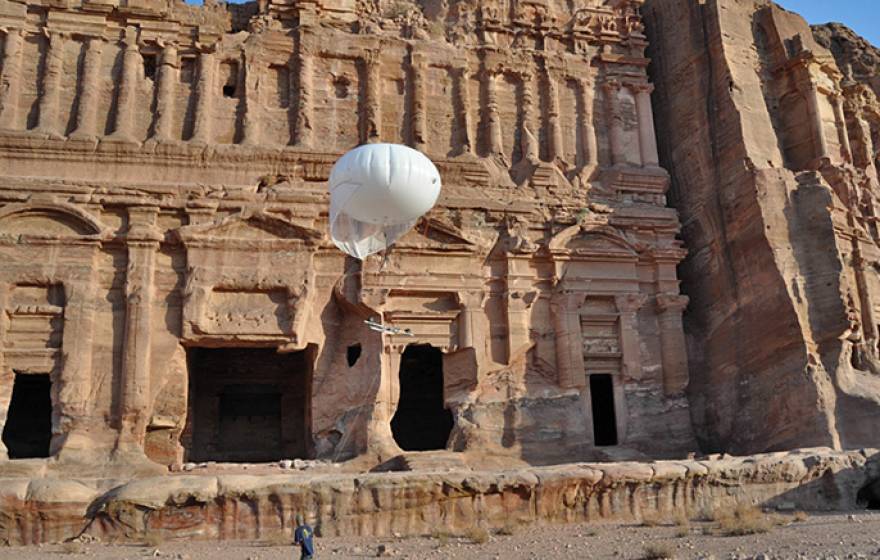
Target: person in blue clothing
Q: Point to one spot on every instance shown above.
(304, 537)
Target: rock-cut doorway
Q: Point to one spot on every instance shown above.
(422, 421)
(248, 405)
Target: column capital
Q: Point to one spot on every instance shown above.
(612, 85)
(471, 299)
(568, 300)
(672, 302)
(642, 88)
(630, 303)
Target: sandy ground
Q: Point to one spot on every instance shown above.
(819, 536)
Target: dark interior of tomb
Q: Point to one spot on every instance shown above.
(602, 401)
(247, 405)
(869, 495)
(28, 428)
(422, 421)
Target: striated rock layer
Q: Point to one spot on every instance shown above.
(263, 507)
(772, 147)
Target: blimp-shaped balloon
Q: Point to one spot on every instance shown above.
(377, 193)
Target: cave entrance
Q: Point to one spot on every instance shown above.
(28, 429)
(604, 416)
(422, 421)
(248, 405)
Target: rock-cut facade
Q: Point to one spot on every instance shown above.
(168, 289)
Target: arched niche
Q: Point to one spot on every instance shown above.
(49, 221)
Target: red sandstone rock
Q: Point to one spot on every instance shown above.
(771, 148)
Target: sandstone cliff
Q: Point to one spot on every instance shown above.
(770, 140)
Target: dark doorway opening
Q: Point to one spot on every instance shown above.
(353, 354)
(422, 421)
(248, 405)
(604, 416)
(28, 428)
(869, 495)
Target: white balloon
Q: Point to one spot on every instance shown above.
(377, 193)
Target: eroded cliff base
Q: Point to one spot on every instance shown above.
(262, 508)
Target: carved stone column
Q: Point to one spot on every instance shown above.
(132, 67)
(304, 100)
(50, 86)
(419, 111)
(496, 144)
(842, 132)
(612, 92)
(588, 155)
(72, 389)
(519, 301)
(672, 343)
(530, 149)
(555, 151)
(647, 137)
(464, 105)
(565, 307)
(142, 240)
(820, 142)
(169, 74)
(7, 377)
(470, 331)
(372, 124)
(10, 78)
(87, 107)
(252, 103)
(628, 306)
(202, 130)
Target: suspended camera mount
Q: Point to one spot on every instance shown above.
(386, 329)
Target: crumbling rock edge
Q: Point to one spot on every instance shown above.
(238, 506)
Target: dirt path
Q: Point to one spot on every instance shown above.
(827, 537)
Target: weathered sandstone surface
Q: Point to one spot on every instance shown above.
(169, 295)
(168, 289)
(417, 503)
(771, 143)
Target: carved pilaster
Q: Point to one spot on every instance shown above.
(469, 329)
(132, 66)
(519, 302)
(496, 145)
(142, 240)
(588, 155)
(50, 86)
(73, 388)
(554, 148)
(304, 100)
(842, 132)
(202, 130)
(87, 107)
(565, 307)
(820, 142)
(647, 137)
(419, 111)
(10, 78)
(612, 95)
(169, 74)
(464, 104)
(672, 343)
(252, 68)
(372, 128)
(628, 306)
(528, 139)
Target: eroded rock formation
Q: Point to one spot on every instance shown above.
(772, 148)
(165, 267)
